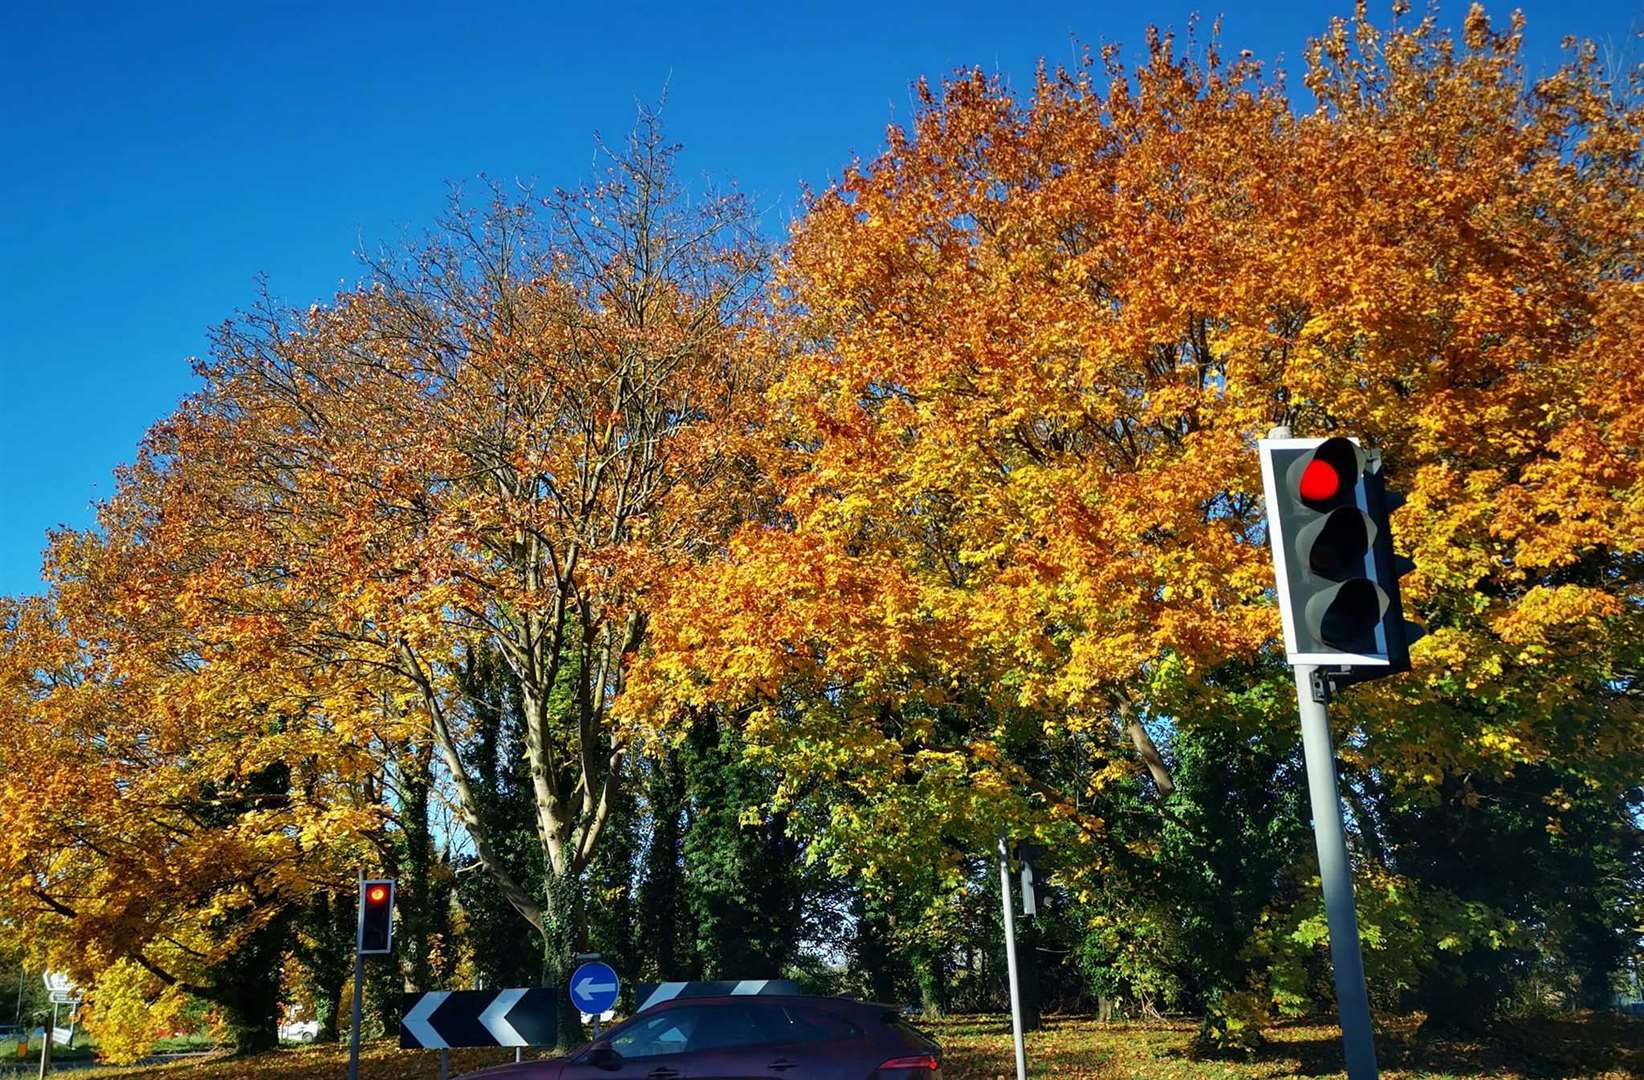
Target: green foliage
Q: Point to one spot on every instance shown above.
(1233, 1023)
(744, 875)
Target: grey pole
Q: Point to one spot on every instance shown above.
(359, 987)
(1335, 873)
(1010, 957)
(45, 1048)
(354, 1023)
(445, 1063)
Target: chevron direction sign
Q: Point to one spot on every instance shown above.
(656, 993)
(443, 1018)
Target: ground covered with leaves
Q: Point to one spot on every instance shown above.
(978, 1048)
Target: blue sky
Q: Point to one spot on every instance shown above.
(156, 158)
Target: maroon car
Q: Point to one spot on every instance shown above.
(747, 1038)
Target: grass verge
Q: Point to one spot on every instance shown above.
(1596, 1047)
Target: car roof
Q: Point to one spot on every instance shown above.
(769, 999)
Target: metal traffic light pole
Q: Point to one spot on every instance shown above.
(359, 984)
(1336, 580)
(1335, 874)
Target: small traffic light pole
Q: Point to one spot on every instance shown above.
(1335, 873)
(359, 984)
(373, 935)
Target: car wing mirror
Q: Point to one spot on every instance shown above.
(601, 1056)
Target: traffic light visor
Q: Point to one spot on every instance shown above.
(1346, 616)
(1335, 545)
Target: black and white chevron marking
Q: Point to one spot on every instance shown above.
(650, 994)
(442, 1018)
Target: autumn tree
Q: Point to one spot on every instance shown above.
(502, 444)
(167, 808)
(1031, 345)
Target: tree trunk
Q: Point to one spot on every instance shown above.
(328, 1011)
(561, 936)
(414, 898)
(246, 987)
(1148, 752)
(662, 892)
(324, 943)
(930, 970)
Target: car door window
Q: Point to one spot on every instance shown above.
(728, 1027)
(666, 1032)
(786, 1024)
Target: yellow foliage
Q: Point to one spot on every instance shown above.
(127, 1008)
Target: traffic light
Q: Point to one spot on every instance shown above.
(376, 916)
(1337, 576)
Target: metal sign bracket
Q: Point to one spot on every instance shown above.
(1319, 680)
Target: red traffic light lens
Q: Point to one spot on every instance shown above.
(376, 894)
(1319, 481)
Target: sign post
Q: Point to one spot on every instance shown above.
(1010, 957)
(62, 991)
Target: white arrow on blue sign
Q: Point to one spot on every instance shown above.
(594, 987)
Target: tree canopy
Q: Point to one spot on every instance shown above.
(755, 590)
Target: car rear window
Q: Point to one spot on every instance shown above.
(906, 1027)
(822, 1024)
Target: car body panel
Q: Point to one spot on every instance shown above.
(764, 1037)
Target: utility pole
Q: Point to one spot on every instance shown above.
(1009, 907)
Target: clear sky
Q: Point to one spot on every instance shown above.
(156, 157)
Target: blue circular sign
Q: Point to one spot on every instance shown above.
(594, 988)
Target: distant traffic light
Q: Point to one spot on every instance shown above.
(376, 916)
(1336, 573)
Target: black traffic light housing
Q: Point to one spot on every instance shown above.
(1397, 632)
(1336, 574)
(376, 934)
